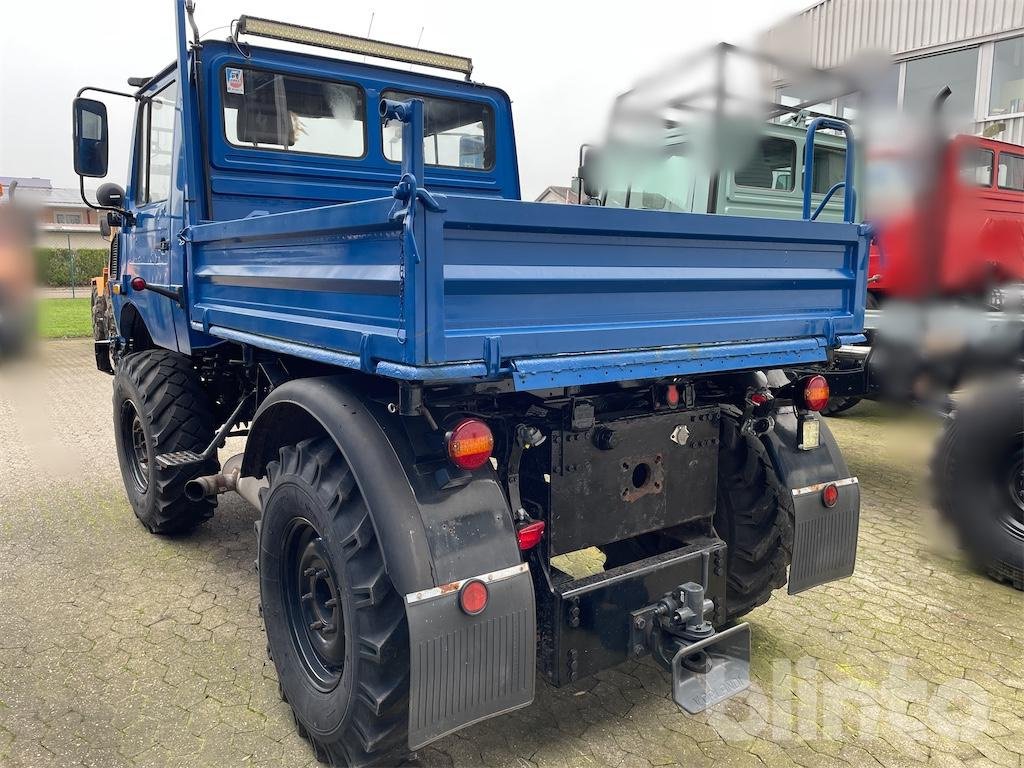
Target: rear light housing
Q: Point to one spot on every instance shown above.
(469, 444)
(529, 535)
(473, 597)
(815, 393)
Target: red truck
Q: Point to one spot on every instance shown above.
(966, 238)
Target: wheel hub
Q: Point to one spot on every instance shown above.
(134, 438)
(314, 605)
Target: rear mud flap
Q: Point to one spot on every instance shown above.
(825, 538)
(711, 670)
(464, 668)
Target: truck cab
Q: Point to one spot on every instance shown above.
(770, 183)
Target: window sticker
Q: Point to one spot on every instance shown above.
(235, 83)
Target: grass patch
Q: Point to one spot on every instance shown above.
(64, 318)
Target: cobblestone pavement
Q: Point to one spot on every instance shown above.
(118, 648)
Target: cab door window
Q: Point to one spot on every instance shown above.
(157, 137)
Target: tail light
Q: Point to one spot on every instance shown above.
(830, 495)
(529, 535)
(473, 597)
(470, 444)
(815, 393)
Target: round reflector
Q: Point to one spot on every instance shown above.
(138, 284)
(473, 597)
(816, 393)
(830, 495)
(470, 444)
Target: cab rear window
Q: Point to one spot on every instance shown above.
(773, 166)
(456, 134)
(271, 110)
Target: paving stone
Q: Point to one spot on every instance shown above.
(121, 649)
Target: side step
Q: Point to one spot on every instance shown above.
(179, 459)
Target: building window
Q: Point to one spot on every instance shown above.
(68, 218)
(1007, 94)
(1011, 172)
(926, 77)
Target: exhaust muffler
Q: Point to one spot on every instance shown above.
(228, 479)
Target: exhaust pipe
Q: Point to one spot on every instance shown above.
(228, 479)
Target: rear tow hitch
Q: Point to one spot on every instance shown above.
(707, 666)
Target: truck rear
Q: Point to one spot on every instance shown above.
(452, 398)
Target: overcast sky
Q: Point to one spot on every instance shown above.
(561, 63)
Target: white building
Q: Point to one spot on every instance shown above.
(62, 219)
(974, 46)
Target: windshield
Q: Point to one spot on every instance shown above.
(662, 183)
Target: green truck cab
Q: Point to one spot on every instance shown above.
(768, 184)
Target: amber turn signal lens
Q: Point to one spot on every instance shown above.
(816, 393)
(470, 444)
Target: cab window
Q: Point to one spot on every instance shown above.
(270, 110)
(772, 166)
(456, 134)
(157, 136)
(976, 167)
(1011, 172)
(829, 169)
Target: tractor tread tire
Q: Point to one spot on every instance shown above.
(373, 692)
(168, 396)
(962, 495)
(754, 517)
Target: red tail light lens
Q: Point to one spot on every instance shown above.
(138, 284)
(529, 535)
(830, 495)
(816, 393)
(473, 597)
(470, 444)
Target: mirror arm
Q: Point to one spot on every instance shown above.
(129, 219)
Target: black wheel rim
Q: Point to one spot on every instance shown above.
(133, 438)
(1013, 481)
(313, 604)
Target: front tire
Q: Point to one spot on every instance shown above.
(978, 479)
(336, 627)
(160, 407)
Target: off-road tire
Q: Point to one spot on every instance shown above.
(980, 446)
(351, 702)
(162, 388)
(754, 517)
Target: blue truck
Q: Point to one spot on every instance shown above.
(446, 392)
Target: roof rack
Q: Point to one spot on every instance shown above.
(294, 33)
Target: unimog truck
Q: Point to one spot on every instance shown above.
(446, 390)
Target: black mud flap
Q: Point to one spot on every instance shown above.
(711, 670)
(825, 538)
(467, 668)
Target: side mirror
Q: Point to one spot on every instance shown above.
(90, 137)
